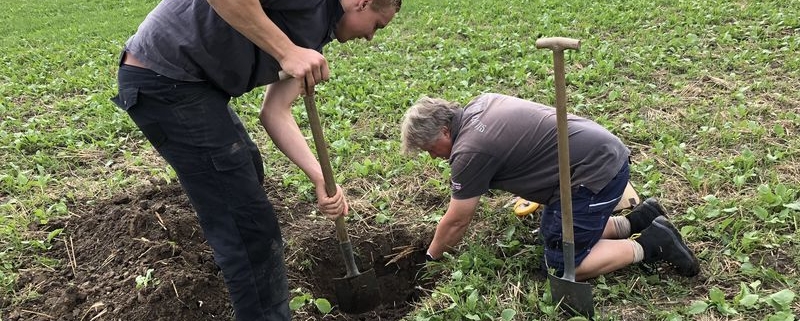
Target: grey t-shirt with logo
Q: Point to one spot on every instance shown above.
(506, 143)
(187, 40)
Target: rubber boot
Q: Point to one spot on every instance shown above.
(661, 241)
(643, 214)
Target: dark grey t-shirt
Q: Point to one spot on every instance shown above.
(511, 144)
(187, 40)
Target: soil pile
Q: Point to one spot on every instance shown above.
(142, 256)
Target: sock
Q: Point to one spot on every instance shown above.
(622, 225)
(638, 251)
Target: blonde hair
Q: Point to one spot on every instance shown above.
(423, 123)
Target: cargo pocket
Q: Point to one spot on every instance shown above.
(126, 98)
(236, 177)
(230, 157)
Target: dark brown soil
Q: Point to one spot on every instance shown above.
(109, 243)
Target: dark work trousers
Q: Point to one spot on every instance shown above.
(220, 168)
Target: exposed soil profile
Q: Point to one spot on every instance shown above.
(109, 244)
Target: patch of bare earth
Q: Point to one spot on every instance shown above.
(109, 244)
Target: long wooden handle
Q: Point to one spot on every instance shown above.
(319, 143)
(330, 184)
(558, 45)
(565, 183)
(324, 158)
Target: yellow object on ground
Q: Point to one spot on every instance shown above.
(524, 207)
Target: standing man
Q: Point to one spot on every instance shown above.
(177, 75)
(506, 143)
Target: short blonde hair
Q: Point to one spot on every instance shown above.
(423, 123)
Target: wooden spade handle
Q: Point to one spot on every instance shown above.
(330, 183)
(558, 45)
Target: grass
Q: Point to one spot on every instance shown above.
(705, 94)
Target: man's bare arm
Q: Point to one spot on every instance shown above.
(276, 117)
(453, 225)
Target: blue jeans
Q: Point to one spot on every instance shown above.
(192, 126)
(590, 213)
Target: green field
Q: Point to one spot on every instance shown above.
(705, 93)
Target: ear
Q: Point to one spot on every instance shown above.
(446, 132)
(363, 4)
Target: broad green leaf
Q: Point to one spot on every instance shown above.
(508, 314)
(782, 316)
(457, 275)
(761, 212)
(323, 305)
(697, 307)
(381, 218)
(795, 206)
(472, 316)
(779, 130)
(726, 309)
(472, 299)
(749, 300)
(298, 302)
(716, 295)
(509, 233)
(782, 298)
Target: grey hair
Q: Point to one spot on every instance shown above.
(423, 123)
